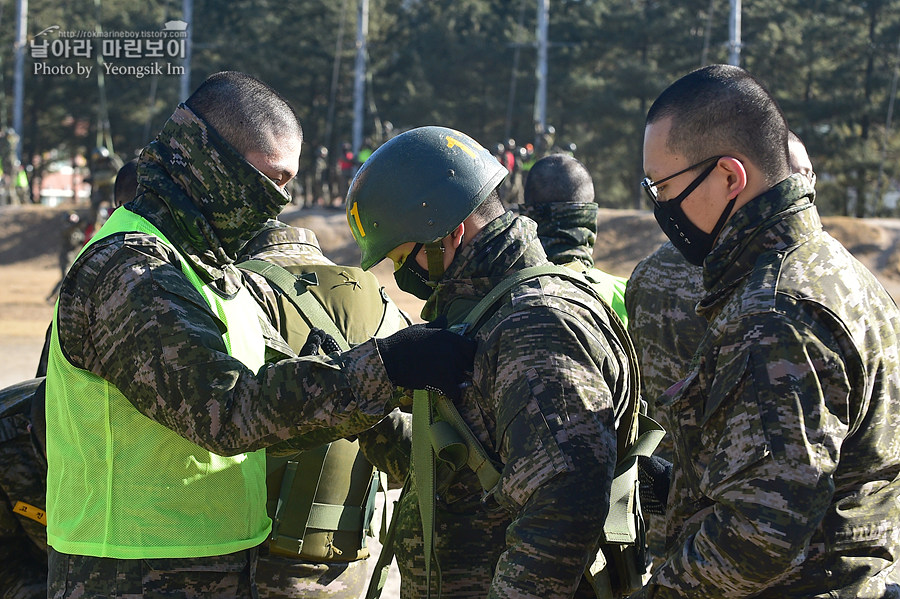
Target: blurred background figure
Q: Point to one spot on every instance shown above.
(72, 237)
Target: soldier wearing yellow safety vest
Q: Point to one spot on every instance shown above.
(159, 395)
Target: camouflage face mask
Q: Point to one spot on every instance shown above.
(234, 197)
(563, 225)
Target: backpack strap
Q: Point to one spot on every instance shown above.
(386, 556)
(294, 288)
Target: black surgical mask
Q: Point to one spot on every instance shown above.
(693, 243)
(412, 278)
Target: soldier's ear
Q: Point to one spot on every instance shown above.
(456, 237)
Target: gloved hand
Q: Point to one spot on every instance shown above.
(654, 478)
(426, 356)
(317, 339)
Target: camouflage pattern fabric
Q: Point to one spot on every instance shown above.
(23, 540)
(786, 452)
(278, 576)
(219, 577)
(128, 314)
(387, 445)
(661, 298)
(547, 384)
(568, 231)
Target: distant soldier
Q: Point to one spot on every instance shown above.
(104, 165)
(72, 237)
(346, 166)
(559, 197)
(321, 187)
(9, 165)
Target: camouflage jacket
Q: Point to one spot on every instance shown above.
(129, 315)
(661, 298)
(568, 231)
(786, 453)
(23, 541)
(548, 384)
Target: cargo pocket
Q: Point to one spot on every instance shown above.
(530, 443)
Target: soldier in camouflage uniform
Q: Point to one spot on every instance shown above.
(785, 479)
(387, 445)
(23, 520)
(549, 377)
(158, 395)
(661, 299)
(559, 197)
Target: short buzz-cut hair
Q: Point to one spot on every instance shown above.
(126, 183)
(489, 209)
(558, 178)
(722, 109)
(247, 113)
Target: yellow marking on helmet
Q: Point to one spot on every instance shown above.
(355, 212)
(452, 142)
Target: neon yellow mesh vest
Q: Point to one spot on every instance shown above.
(122, 485)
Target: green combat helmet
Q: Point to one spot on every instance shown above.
(418, 186)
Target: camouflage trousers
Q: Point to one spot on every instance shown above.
(228, 576)
(284, 578)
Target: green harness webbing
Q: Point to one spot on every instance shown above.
(453, 442)
(307, 305)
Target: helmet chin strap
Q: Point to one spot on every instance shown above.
(434, 251)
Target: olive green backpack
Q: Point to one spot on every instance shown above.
(321, 501)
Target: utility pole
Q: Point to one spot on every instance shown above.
(187, 14)
(734, 34)
(359, 78)
(335, 72)
(517, 50)
(19, 73)
(540, 97)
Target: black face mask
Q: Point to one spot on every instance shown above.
(693, 243)
(412, 278)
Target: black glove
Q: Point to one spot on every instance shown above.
(319, 339)
(654, 477)
(425, 356)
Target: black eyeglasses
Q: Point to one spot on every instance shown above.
(650, 186)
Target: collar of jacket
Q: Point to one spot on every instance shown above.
(214, 198)
(507, 244)
(277, 234)
(776, 220)
(567, 230)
